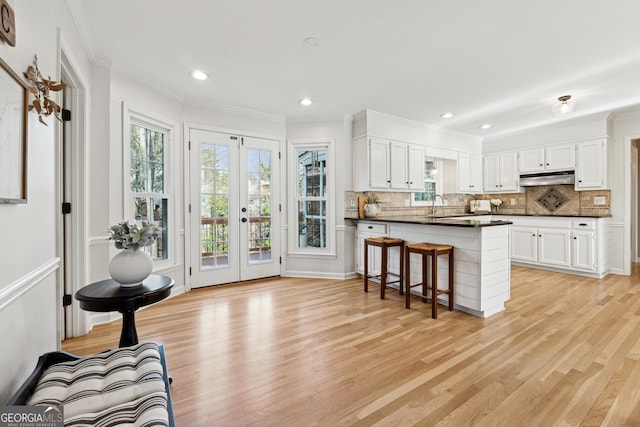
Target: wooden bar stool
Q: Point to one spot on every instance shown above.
(428, 249)
(384, 243)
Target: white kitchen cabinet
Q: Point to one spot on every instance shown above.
(591, 165)
(406, 166)
(553, 158)
(554, 247)
(524, 244)
(583, 250)
(500, 173)
(541, 245)
(366, 230)
(387, 165)
(469, 173)
(574, 245)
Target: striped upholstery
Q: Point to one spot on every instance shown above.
(124, 386)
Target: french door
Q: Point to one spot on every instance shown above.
(235, 208)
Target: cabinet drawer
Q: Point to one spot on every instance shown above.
(583, 224)
(372, 228)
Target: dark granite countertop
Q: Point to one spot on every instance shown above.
(451, 221)
(553, 216)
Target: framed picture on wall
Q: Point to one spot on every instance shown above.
(13, 136)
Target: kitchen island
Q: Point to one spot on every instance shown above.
(482, 270)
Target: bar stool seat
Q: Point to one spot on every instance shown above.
(384, 243)
(432, 250)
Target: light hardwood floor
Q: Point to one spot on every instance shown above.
(300, 352)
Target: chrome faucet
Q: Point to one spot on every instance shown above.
(433, 204)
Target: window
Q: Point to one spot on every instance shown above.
(149, 148)
(432, 183)
(311, 215)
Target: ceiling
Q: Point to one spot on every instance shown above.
(502, 62)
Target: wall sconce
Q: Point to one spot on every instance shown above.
(564, 106)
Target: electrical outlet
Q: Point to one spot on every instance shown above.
(513, 202)
(599, 200)
(352, 203)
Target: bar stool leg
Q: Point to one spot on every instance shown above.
(425, 275)
(407, 280)
(434, 285)
(451, 280)
(401, 282)
(383, 271)
(366, 267)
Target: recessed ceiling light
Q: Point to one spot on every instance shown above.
(306, 101)
(199, 75)
(486, 126)
(446, 115)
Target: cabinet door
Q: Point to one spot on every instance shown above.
(491, 173)
(583, 250)
(476, 174)
(469, 173)
(531, 160)
(524, 244)
(375, 254)
(378, 164)
(509, 175)
(464, 172)
(398, 171)
(415, 163)
(560, 157)
(591, 161)
(554, 247)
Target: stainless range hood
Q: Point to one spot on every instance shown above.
(547, 178)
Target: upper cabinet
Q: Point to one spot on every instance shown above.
(469, 173)
(554, 158)
(500, 173)
(387, 165)
(592, 165)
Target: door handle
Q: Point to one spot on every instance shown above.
(244, 220)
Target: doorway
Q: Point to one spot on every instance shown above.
(71, 188)
(234, 207)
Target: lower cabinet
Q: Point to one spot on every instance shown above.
(365, 230)
(542, 245)
(577, 245)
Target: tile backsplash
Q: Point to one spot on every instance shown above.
(543, 200)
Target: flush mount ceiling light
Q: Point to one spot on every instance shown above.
(564, 105)
(485, 126)
(306, 102)
(199, 75)
(446, 115)
(311, 42)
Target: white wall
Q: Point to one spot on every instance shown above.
(28, 277)
(625, 128)
(343, 264)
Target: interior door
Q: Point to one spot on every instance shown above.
(235, 208)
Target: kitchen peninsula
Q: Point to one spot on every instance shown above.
(482, 271)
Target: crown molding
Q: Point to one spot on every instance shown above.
(79, 19)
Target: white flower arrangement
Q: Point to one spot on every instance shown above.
(496, 202)
(132, 236)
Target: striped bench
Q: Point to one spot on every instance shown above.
(123, 386)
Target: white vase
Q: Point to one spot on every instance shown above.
(371, 210)
(130, 267)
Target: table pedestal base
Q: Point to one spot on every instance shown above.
(128, 336)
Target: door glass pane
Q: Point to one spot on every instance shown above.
(259, 205)
(214, 206)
